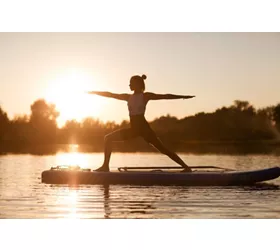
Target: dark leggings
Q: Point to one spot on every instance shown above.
(139, 127)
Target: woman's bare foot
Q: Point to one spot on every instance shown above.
(187, 169)
(103, 169)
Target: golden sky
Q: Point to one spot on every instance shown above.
(216, 67)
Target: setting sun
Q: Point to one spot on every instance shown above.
(67, 92)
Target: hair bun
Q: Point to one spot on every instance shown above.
(144, 77)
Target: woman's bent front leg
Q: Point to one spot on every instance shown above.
(119, 135)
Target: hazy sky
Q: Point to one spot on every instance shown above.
(216, 67)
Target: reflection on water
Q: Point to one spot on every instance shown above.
(107, 210)
(22, 195)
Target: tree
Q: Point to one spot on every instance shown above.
(21, 130)
(244, 106)
(266, 112)
(276, 116)
(4, 124)
(43, 120)
(40, 110)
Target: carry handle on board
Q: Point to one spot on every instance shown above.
(70, 167)
(124, 169)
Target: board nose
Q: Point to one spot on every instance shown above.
(278, 171)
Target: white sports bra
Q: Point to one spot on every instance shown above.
(136, 104)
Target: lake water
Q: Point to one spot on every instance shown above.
(22, 195)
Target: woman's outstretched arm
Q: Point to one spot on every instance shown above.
(153, 96)
(123, 97)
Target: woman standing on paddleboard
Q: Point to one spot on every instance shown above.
(138, 125)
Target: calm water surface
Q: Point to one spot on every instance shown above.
(22, 195)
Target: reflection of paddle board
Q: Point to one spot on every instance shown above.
(76, 175)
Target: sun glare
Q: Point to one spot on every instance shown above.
(73, 158)
(71, 201)
(67, 92)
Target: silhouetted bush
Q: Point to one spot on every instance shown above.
(238, 123)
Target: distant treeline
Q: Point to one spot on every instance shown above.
(239, 123)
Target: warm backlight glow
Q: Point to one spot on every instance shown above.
(71, 199)
(67, 92)
(73, 158)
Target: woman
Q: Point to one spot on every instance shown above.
(138, 125)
